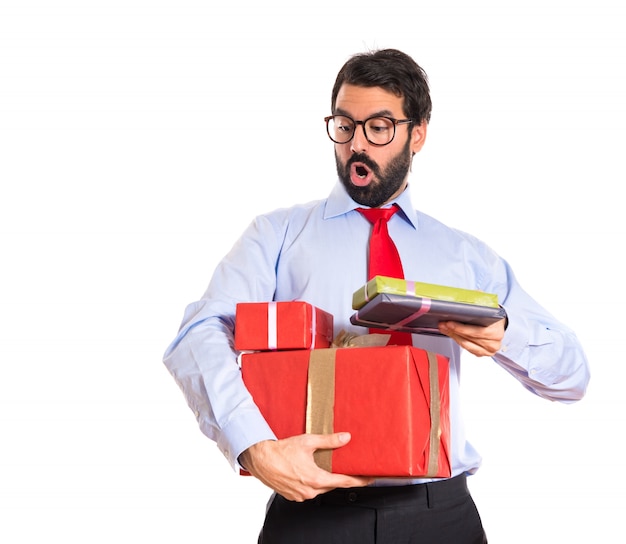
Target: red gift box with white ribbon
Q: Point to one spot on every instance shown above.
(285, 325)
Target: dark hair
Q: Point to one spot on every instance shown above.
(393, 71)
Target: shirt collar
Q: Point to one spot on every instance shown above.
(340, 203)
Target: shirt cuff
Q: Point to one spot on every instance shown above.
(239, 434)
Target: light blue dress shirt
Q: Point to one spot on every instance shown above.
(317, 252)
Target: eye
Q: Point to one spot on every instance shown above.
(343, 124)
(379, 125)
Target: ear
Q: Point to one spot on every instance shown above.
(418, 137)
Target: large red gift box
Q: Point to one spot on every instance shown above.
(394, 400)
(281, 325)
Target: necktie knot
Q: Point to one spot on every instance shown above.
(375, 214)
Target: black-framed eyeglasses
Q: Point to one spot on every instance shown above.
(378, 130)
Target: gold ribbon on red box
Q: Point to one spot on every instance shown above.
(333, 389)
(321, 395)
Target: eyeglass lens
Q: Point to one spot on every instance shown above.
(378, 130)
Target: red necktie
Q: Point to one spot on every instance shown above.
(384, 259)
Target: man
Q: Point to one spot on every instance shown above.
(317, 252)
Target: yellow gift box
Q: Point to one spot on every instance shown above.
(397, 286)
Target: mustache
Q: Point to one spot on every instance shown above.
(363, 158)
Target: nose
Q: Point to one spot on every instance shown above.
(359, 142)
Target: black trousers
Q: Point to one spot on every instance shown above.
(434, 513)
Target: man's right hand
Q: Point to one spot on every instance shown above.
(287, 465)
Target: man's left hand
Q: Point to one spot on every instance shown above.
(479, 341)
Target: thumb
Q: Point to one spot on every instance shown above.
(336, 440)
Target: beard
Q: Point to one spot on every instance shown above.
(384, 183)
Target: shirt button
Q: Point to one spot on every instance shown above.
(352, 496)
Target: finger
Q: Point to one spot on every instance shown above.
(478, 346)
(475, 339)
(344, 480)
(479, 349)
(466, 331)
(327, 441)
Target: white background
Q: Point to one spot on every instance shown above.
(125, 124)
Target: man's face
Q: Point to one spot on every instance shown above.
(374, 175)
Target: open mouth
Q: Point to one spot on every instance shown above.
(360, 174)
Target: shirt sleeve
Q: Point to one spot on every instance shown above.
(538, 350)
(202, 358)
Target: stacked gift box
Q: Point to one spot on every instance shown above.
(394, 400)
(408, 306)
(263, 326)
